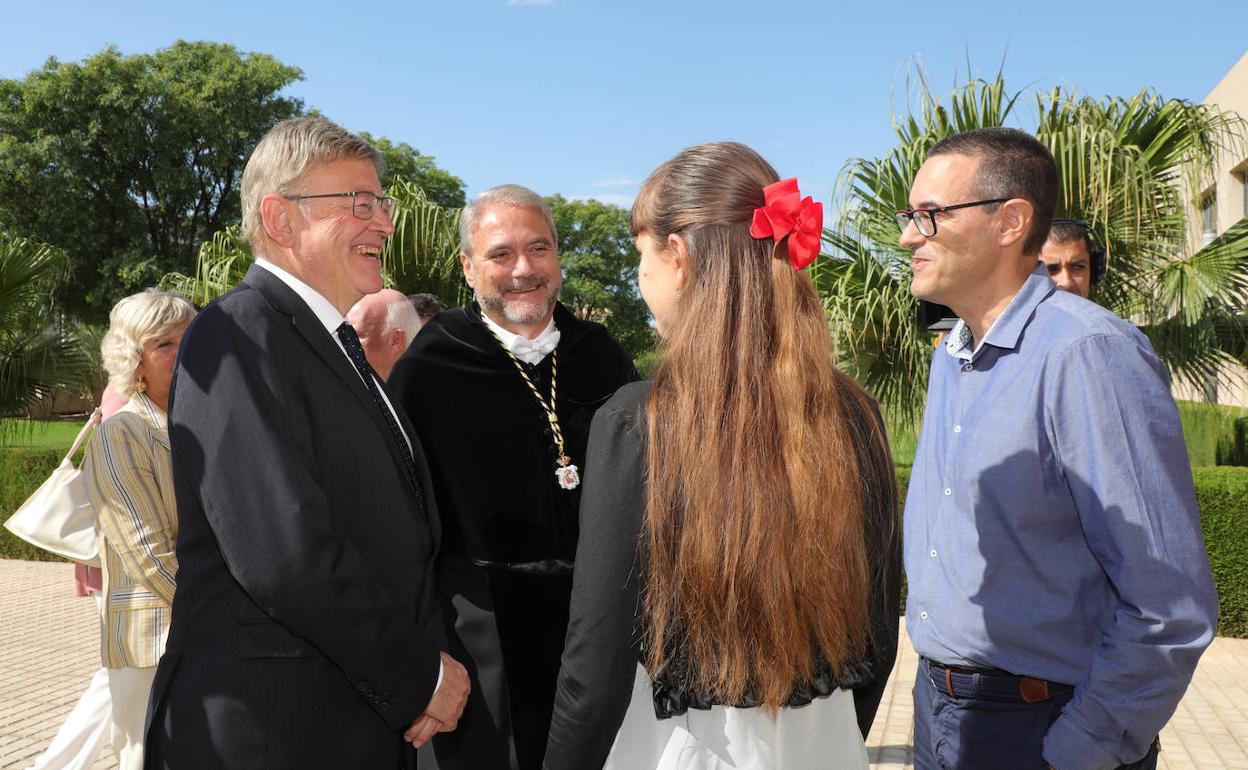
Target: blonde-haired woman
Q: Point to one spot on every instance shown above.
(736, 593)
(129, 479)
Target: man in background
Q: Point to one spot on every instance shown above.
(1074, 262)
(386, 322)
(427, 306)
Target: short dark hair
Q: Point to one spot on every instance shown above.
(1066, 230)
(1012, 164)
(427, 306)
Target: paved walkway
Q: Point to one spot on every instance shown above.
(49, 649)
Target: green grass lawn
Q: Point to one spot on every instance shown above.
(39, 433)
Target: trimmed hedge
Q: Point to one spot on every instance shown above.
(1222, 493)
(22, 470)
(1223, 497)
(1212, 434)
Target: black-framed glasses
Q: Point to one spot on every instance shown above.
(363, 202)
(925, 219)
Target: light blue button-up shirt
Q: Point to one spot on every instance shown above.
(1051, 527)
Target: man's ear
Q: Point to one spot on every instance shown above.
(398, 340)
(275, 216)
(678, 250)
(1015, 216)
(470, 273)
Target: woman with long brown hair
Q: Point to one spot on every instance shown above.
(736, 593)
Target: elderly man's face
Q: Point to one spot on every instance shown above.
(1069, 265)
(339, 253)
(514, 268)
(382, 347)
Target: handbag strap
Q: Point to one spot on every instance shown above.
(92, 421)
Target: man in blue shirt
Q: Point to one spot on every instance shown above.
(1059, 590)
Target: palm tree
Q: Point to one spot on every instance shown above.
(421, 256)
(423, 253)
(221, 263)
(1125, 166)
(39, 352)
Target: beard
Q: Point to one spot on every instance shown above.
(520, 312)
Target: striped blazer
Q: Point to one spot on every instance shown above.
(130, 481)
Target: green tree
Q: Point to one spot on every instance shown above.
(128, 163)
(406, 162)
(423, 253)
(600, 269)
(1124, 163)
(39, 352)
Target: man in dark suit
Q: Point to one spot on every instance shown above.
(304, 629)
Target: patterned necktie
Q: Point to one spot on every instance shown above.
(355, 351)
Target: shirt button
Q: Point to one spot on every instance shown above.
(948, 491)
(967, 367)
(923, 615)
(957, 429)
(933, 553)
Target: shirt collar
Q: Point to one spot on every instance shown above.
(145, 407)
(324, 311)
(529, 351)
(1008, 328)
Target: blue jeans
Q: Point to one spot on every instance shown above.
(976, 733)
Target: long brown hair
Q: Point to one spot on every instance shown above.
(756, 547)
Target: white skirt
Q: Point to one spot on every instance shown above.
(822, 734)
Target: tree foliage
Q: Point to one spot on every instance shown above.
(600, 269)
(129, 163)
(39, 352)
(407, 163)
(423, 253)
(1126, 165)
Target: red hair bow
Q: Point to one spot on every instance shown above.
(786, 212)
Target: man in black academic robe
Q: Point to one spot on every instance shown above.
(509, 525)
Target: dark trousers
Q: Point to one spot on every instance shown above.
(978, 732)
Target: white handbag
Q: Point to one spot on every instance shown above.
(58, 517)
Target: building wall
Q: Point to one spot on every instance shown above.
(1227, 184)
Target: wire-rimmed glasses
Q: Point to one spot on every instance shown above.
(363, 202)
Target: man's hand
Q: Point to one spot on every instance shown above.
(445, 707)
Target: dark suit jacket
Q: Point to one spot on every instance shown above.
(304, 630)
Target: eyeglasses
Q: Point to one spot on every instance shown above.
(925, 219)
(363, 202)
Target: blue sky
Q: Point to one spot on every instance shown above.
(586, 97)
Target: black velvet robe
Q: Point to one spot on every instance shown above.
(509, 530)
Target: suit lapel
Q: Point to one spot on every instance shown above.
(313, 331)
(422, 466)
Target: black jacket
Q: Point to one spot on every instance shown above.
(304, 629)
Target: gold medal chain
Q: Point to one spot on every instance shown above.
(549, 409)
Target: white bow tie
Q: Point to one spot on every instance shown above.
(533, 351)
